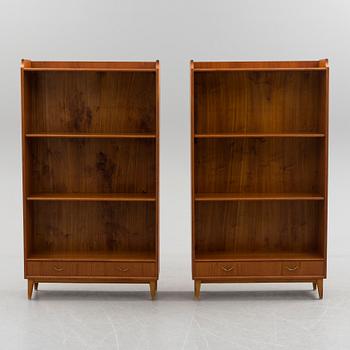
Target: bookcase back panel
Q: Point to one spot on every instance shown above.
(259, 165)
(253, 227)
(92, 227)
(92, 166)
(277, 101)
(96, 102)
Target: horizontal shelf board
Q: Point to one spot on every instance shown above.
(252, 65)
(224, 256)
(233, 135)
(47, 69)
(89, 65)
(256, 69)
(257, 196)
(92, 135)
(93, 256)
(140, 197)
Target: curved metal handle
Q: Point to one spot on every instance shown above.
(292, 268)
(227, 268)
(123, 269)
(58, 269)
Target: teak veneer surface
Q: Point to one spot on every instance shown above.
(258, 165)
(93, 102)
(91, 166)
(258, 102)
(259, 150)
(90, 136)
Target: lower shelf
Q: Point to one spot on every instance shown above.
(229, 256)
(94, 256)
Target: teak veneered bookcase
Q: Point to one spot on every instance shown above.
(259, 172)
(90, 135)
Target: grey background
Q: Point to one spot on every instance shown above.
(120, 316)
(173, 32)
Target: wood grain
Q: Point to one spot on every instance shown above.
(90, 137)
(94, 102)
(258, 101)
(99, 227)
(249, 227)
(259, 165)
(103, 269)
(92, 166)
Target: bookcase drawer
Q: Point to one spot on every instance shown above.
(98, 269)
(259, 268)
(204, 269)
(303, 268)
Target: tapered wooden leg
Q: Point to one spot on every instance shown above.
(320, 288)
(314, 285)
(153, 289)
(36, 285)
(197, 289)
(30, 288)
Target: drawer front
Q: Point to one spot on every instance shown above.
(259, 269)
(303, 268)
(207, 269)
(98, 269)
(262, 268)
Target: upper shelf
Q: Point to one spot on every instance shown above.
(28, 65)
(258, 134)
(93, 135)
(261, 66)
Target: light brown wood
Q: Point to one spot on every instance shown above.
(259, 268)
(257, 197)
(320, 288)
(93, 269)
(153, 289)
(259, 149)
(256, 134)
(197, 289)
(90, 136)
(93, 197)
(76, 66)
(30, 288)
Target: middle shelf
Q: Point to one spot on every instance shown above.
(122, 197)
(257, 196)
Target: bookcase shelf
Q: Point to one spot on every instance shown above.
(90, 171)
(247, 135)
(259, 171)
(91, 135)
(258, 197)
(110, 197)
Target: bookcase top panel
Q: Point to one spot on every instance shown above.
(261, 65)
(86, 66)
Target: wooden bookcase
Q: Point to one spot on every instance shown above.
(90, 136)
(259, 172)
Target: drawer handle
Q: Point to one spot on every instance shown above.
(227, 268)
(123, 269)
(58, 269)
(292, 268)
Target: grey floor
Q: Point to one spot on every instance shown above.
(244, 316)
